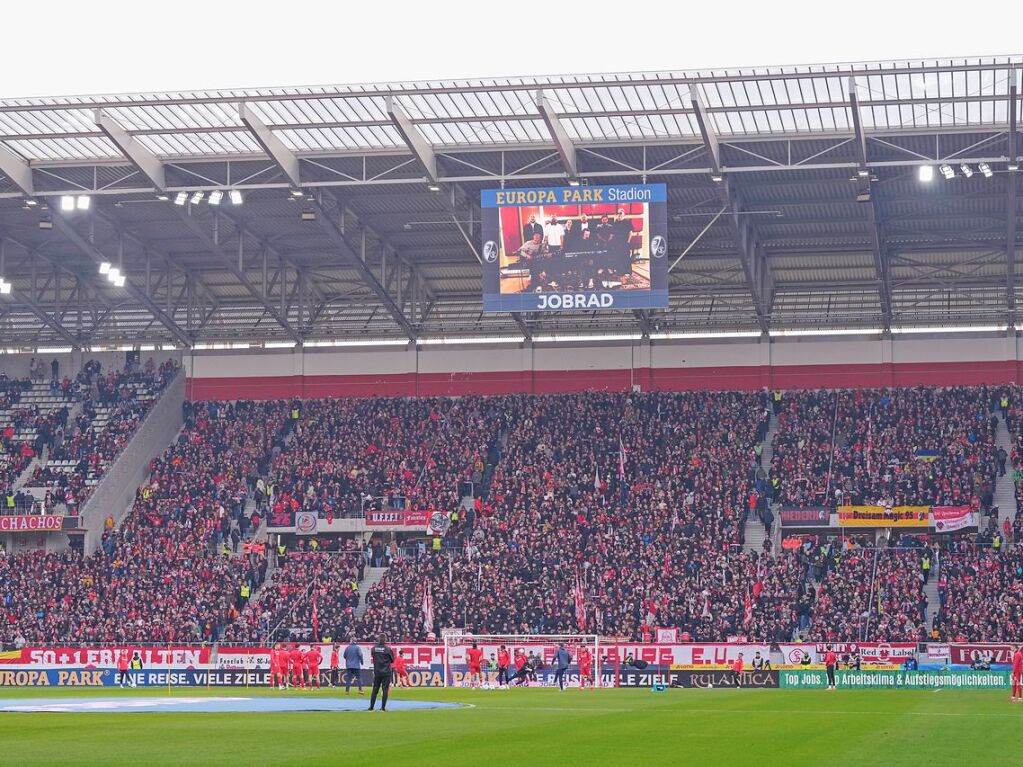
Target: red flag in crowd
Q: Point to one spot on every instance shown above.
(580, 604)
(316, 618)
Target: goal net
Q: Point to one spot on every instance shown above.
(531, 659)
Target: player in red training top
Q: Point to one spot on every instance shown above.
(830, 664)
(400, 671)
(295, 662)
(474, 656)
(1017, 676)
(585, 667)
(503, 661)
(521, 677)
(737, 665)
(277, 679)
(313, 658)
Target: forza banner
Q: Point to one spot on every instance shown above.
(896, 679)
(883, 516)
(575, 248)
(965, 654)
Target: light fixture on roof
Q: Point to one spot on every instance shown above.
(216, 196)
(113, 273)
(966, 169)
(308, 215)
(181, 198)
(162, 197)
(863, 196)
(104, 267)
(573, 182)
(119, 281)
(235, 196)
(297, 193)
(196, 197)
(985, 169)
(67, 202)
(435, 187)
(45, 223)
(925, 173)
(31, 202)
(1013, 165)
(717, 178)
(947, 171)
(83, 201)
(5, 286)
(863, 172)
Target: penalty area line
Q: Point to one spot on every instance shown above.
(840, 713)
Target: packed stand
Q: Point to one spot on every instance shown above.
(891, 447)
(167, 574)
(112, 406)
(625, 504)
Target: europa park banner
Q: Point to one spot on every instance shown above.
(883, 516)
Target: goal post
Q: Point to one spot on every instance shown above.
(538, 649)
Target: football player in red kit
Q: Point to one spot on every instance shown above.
(400, 671)
(295, 661)
(585, 668)
(474, 656)
(1017, 676)
(277, 679)
(520, 667)
(313, 658)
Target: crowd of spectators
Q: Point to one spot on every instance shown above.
(889, 447)
(311, 595)
(356, 454)
(167, 574)
(633, 500)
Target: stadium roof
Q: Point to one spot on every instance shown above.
(793, 195)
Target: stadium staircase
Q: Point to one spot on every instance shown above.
(373, 577)
(1005, 488)
(753, 538)
(931, 590)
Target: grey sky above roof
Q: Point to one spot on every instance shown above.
(114, 46)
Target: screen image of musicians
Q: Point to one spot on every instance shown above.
(577, 253)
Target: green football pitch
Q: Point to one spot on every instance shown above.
(540, 727)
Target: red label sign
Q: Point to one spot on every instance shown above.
(31, 523)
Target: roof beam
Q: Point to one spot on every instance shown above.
(746, 244)
(147, 163)
(859, 136)
(17, 170)
(283, 157)
(415, 141)
(563, 142)
(876, 233)
(326, 215)
(90, 250)
(1011, 212)
(231, 265)
(710, 139)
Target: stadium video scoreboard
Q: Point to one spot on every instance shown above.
(575, 248)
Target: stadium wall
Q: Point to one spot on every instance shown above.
(744, 364)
